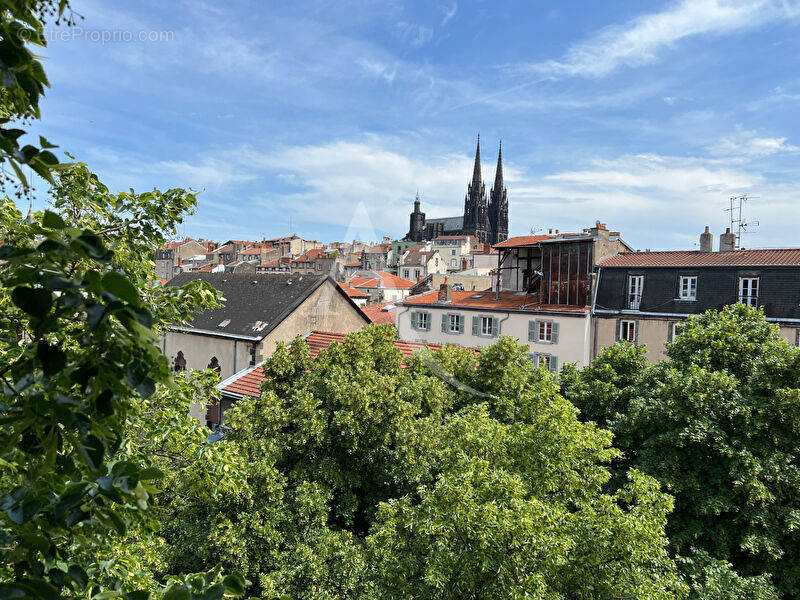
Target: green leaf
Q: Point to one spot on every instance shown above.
(52, 358)
(78, 575)
(119, 285)
(52, 220)
(93, 451)
(234, 584)
(176, 592)
(34, 301)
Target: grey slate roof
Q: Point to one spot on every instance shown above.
(255, 303)
(450, 223)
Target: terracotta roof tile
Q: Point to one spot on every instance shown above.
(488, 301)
(522, 240)
(774, 257)
(381, 313)
(383, 279)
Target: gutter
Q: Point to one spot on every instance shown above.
(594, 305)
(489, 309)
(210, 333)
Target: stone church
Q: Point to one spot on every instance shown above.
(487, 221)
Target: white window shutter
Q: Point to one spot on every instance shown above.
(619, 330)
(460, 323)
(553, 364)
(636, 333)
(476, 325)
(445, 322)
(554, 333)
(495, 327)
(414, 324)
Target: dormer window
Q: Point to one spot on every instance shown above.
(635, 287)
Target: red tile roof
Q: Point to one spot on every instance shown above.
(384, 279)
(352, 292)
(251, 251)
(775, 257)
(488, 301)
(378, 313)
(522, 240)
(249, 382)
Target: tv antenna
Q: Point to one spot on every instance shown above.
(535, 230)
(739, 223)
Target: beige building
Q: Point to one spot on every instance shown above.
(420, 261)
(455, 250)
(170, 256)
(464, 281)
(260, 311)
(555, 335)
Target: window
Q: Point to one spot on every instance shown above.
(635, 285)
(627, 331)
(452, 323)
(674, 330)
(543, 332)
(453, 262)
(416, 273)
(548, 361)
(452, 252)
(748, 290)
(421, 321)
(180, 362)
(407, 273)
(485, 326)
(688, 287)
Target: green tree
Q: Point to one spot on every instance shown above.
(718, 424)
(447, 475)
(91, 416)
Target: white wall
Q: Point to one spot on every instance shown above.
(573, 340)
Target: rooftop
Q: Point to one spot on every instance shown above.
(382, 280)
(488, 300)
(767, 257)
(255, 303)
(381, 313)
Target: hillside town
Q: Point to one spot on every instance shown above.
(564, 295)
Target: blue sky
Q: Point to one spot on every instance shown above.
(645, 115)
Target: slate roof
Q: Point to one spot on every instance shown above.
(450, 223)
(775, 257)
(255, 303)
(488, 301)
(248, 382)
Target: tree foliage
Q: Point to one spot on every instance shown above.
(718, 424)
(458, 476)
(92, 418)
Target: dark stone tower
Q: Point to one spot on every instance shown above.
(498, 204)
(416, 223)
(476, 216)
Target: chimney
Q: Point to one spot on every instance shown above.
(706, 241)
(445, 293)
(727, 241)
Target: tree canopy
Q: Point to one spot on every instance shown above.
(371, 477)
(718, 424)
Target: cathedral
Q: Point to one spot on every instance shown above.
(487, 221)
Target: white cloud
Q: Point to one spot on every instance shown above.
(642, 40)
(449, 13)
(748, 144)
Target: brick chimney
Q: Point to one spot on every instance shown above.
(706, 241)
(445, 293)
(727, 241)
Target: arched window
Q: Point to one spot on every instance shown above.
(214, 365)
(180, 362)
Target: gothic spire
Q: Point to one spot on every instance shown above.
(476, 171)
(498, 176)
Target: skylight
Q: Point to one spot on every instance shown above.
(225, 323)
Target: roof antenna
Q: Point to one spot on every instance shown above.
(738, 222)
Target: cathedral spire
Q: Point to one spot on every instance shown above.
(476, 171)
(498, 176)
